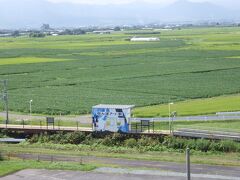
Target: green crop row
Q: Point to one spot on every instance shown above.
(69, 74)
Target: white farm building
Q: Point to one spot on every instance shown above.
(144, 39)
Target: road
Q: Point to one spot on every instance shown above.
(192, 118)
(141, 164)
(109, 174)
(86, 119)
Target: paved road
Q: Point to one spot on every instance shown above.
(31, 174)
(45, 128)
(192, 118)
(76, 175)
(196, 133)
(86, 119)
(163, 166)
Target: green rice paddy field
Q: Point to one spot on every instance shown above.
(69, 74)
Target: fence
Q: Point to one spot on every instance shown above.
(143, 126)
(44, 157)
(45, 124)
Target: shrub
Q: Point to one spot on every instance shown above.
(203, 145)
(89, 140)
(131, 142)
(228, 146)
(148, 141)
(1, 157)
(76, 137)
(107, 141)
(118, 139)
(34, 139)
(191, 143)
(175, 143)
(59, 137)
(143, 144)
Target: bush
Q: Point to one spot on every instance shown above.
(76, 137)
(148, 141)
(1, 157)
(107, 141)
(34, 139)
(89, 140)
(118, 139)
(228, 146)
(143, 144)
(130, 142)
(203, 145)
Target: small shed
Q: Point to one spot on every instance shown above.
(113, 118)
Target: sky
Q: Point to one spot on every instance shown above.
(226, 3)
(73, 13)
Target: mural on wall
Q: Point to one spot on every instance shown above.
(114, 120)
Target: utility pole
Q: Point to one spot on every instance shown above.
(188, 164)
(169, 116)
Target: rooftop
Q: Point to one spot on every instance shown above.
(114, 106)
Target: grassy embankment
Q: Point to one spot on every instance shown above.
(207, 106)
(213, 158)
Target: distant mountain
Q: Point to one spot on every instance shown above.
(185, 10)
(29, 13)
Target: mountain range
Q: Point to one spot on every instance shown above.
(31, 14)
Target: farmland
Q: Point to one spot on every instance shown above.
(201, 106)
(69, 74)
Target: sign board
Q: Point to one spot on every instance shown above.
(145, 122)
(113, 118)
(50, 120)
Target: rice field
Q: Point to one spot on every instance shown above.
(69, 74)
(26, 60)
(201, 106)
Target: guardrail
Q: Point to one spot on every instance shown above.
(190, 118)
(195, 133)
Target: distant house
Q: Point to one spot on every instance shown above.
(144, 39)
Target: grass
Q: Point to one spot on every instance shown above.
(226, 159)
(92, 69)
(26, 60)
(13, 165)
(228, 126)
(193, 107)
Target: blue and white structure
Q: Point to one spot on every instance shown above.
(113, 118)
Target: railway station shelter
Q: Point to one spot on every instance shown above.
(113, 118)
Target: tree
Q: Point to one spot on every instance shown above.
(45, 27)
(117, 28)
(15, 33)
(36, 35)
